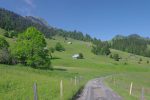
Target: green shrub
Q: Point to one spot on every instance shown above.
(116, 57)
(111, 56)
(140, 59)
(125, 63)
(6, 34)
(3, 43)
(10, 34)
(81, 56)
(139, 62)
(59, 47)
(4, 53)
(4, 56)
(51, 50)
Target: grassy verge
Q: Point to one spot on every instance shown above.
(121, 84)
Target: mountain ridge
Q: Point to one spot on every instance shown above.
(9, 20)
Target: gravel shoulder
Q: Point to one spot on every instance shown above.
(96, 90)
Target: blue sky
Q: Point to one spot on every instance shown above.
(100, 18)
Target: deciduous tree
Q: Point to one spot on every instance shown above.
(31, 48)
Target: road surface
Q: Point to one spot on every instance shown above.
(96, 90)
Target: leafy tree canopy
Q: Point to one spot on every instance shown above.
(31, 48)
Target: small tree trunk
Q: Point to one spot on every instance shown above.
(51, 55)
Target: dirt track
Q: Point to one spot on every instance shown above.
(96, 90)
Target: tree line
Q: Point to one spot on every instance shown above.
(11, 21)
(100, 47)
(132, 44)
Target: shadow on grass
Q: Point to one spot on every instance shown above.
(59, 69)
(77, 94)
(43, 68)
(53, 58)
(51, 68)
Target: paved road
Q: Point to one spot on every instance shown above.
(96, 90)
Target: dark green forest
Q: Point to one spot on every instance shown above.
(133, 44)
(12, 21)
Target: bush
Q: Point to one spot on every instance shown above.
(95, 50)
(147, 62)
(4, 53)
(125, 63)
(6, 34)
(116, 57)
(140, 59)
(5, 56)
(10, 34)
(3, 43)
(111, 56)
(139, 62)
(51, 50)
(59, 47)
(80, 56)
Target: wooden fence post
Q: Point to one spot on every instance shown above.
(131, 88)
(71, 81)
(61, 89)
(75, 80)
(114, 81)
(79, 81)
(142, 94)
(35, 91)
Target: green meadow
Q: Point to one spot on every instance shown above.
(17, 81)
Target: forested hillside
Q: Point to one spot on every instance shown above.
(12, 21)
(132, 44)
(15, 23)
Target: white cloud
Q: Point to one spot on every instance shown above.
(25, 11)
(28, 8)
(30, 3)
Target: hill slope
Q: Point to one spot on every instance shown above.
(38, 21)
(17, 81)
(11, 21)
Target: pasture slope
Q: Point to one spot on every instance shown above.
(16, 81)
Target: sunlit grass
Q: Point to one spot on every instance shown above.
(16, 82)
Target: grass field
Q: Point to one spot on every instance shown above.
(17, 81)
(121, 84)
